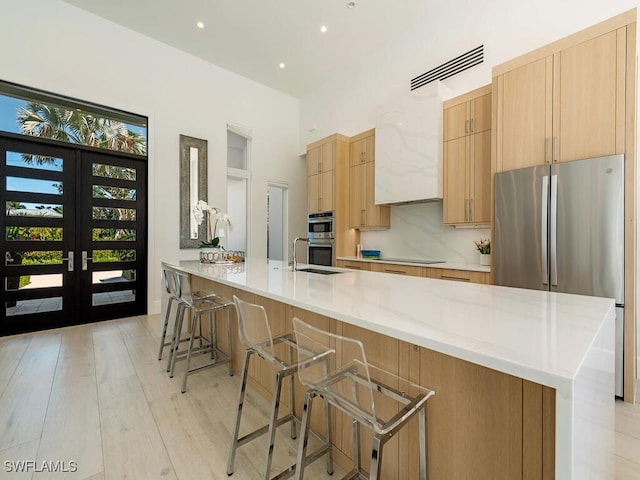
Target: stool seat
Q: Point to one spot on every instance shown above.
(335, 368)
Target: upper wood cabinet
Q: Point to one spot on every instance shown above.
(321, 158)
(467, 158)
(363, 212)
(567, 105)
(466, 114)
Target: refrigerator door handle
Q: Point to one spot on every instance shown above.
(543, 229)
(553, 235)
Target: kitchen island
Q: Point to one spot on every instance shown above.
(524, 379)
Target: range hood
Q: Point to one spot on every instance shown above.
(408, 166)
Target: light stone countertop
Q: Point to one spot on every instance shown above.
(471, 267)
(540, 336)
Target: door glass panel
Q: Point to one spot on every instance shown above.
(39, 162)
(118, 193)
(39, 305)
(102, 256)
(108, 298)
(48, 234)
(109, 213)
(114, 234)
(41, 257)
(19, 209)
(113, 276)
(34, 281)
(32, 185)
(113, 171)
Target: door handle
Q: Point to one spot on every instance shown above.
(84, 259)
(553, 234)
(543, 229)
(70, 260)
(547, 150)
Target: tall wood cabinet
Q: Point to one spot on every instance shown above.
(328, 185)
(363, 212)
(566, 105)
(467, 158)
(574, 99)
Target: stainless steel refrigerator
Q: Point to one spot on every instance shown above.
(560, 227)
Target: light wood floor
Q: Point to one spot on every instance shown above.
(97, 395)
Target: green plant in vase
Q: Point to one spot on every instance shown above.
(483, 246)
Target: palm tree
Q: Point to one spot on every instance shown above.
(73, 126)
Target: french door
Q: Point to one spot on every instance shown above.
(73, 237)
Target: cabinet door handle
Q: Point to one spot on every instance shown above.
(555, 149)
(459, 279)
(319, 167)
(319, 203)
(361, 217)
(547, 150)
(400, 272)
(471, 210)
(466, 126)
(466, 209)
(471, 126)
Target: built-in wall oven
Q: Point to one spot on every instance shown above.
(320, 233)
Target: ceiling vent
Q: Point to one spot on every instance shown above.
(452, 67)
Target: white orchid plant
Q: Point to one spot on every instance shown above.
(203, 211)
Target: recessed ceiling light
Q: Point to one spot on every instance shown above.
(323, 28)
(282, 65)
(351, 4)
(200, 25)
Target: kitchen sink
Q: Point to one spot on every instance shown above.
(317, 270)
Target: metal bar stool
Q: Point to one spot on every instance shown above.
(171, 287)
(255, 334)
(335, 368)
(199, 305)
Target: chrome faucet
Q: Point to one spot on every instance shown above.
(294, 265)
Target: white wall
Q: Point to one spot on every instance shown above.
(506, 28)
(51, 45)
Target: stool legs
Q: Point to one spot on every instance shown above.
(274, 421)
(164, 329)
(422, 426)
(196, 323)
(236, 429)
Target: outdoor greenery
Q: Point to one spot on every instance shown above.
(73, 126)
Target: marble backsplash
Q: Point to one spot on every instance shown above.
(417, 232)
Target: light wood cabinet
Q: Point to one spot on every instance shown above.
(565, 106)
(467, 158)
(363, 212)
(320, 194)
(398, 269)
(321, 158)
(321, 177)
(458, 275)
(366, 266)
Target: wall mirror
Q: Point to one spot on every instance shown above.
(193, 187)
